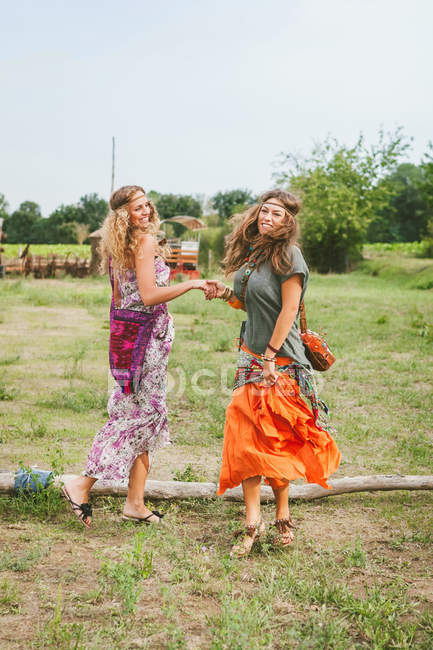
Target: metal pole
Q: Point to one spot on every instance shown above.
(112, 168)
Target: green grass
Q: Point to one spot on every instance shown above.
(73, 250)
(9, 597)
(408, 272)
(359, 572)
(123, 578)
(401, 249)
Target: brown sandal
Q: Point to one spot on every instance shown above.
(249, 536)
(285, 534)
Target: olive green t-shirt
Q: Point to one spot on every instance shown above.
(263, 305)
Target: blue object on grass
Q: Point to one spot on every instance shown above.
(32, 480)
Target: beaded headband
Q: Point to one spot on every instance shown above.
(278, 206)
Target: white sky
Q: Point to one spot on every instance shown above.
(201, 95)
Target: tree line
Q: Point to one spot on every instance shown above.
(351, 195)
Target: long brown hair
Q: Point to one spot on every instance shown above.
(119, 235)
(273, 246)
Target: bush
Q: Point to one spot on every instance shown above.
(212, 239)
(341, 192)
(426, 246)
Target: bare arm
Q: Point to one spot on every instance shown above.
(291, 291)
(145, 270)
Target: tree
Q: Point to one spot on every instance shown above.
(19, 226)
(68, 224)
(341, 192)
(172, 205)
(3, 206)
(91, 211)
(230, 202)
(406, 216)
(426, 183)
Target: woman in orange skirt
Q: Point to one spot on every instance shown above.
(272, 425)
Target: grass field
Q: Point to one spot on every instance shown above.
(359, 573)
(74, 250)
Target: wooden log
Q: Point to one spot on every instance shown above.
(181, 490)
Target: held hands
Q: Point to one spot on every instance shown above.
(215, 289)
(211, 288)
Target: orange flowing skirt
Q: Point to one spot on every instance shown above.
(271, 432)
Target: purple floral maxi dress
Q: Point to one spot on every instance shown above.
(138, 422)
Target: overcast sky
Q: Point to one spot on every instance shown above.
(201, 95)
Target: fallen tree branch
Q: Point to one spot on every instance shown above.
(182, 490)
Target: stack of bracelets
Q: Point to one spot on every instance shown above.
(227, 294)
(265, 358)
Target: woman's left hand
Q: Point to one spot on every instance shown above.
(269, 374)
(203, 286)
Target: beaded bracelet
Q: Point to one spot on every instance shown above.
(265, 358)
(227, 294)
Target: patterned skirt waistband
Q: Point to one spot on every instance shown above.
(249, 369)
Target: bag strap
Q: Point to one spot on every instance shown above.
(110, 272)
(303, 318)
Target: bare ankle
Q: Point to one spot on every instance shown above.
(282, 514)
(251, 520)
(134, 502)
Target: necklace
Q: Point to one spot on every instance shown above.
(251, 265)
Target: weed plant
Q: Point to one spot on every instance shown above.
(188, 475)
(56, 634)
(123, 578)
(10, 598)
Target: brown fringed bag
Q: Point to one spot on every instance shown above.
(316, 348)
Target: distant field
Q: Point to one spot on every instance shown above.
(82, 251)
(406, 249)
(359, 573)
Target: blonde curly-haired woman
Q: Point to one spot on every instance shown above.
(137, 424)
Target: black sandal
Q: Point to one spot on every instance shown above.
(82, 512)
(284, 535)
(144, 520)
(249, 536)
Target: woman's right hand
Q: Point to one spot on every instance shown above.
(203, 285)
(270, 376)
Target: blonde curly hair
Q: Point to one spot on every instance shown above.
(120, 238)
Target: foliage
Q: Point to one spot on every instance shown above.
(3, 215)
(405, 249)
(172, 205)
(426, 183)
(68, 224)
(212, 239)
(232, 201)
(341, 191)
(20, 224)
(405, 218)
